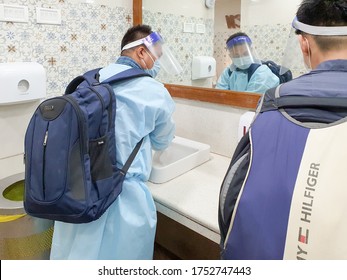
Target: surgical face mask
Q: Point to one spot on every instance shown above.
(242, 62)
(154, 70)
(144, 62)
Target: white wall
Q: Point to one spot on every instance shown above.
(213, 124)
(267, 12)
(189, 8)
(223, 8)
(222, 32)
(109, 3)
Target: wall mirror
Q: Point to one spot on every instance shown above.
(269, 31)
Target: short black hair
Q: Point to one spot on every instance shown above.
(238, 34)
(324, 13)
(134, 33)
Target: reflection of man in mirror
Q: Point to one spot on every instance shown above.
(240, 76)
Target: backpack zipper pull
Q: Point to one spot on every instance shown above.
(45, 139)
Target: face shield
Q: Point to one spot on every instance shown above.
(241, 52)
(160, 51)
(293, 57)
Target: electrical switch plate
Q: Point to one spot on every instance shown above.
(188, 27)
(48, 16)
(200, 28)
(14, 13)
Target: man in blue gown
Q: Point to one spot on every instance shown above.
(236, 76)
(144, 110)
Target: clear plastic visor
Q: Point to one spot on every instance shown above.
(160, 51)
(293, 57)
(241, 52)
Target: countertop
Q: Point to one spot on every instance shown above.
(192, 198)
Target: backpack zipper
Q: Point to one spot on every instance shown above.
(81, 127)
(44, 162)
(111, 94)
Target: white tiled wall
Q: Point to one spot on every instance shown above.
(88, 37)
(213, 124)
(168, 17)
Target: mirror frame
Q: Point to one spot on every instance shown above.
(244, 100)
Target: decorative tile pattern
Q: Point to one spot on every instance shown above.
(220, 53)
(270, 42)
(184, 45)
(88, 37)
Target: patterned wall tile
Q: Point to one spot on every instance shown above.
(270, 42)
(184, 45)
(88, 37)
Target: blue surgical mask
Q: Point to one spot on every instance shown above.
(242, 62)
(154, 70)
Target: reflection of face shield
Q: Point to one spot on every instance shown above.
(156, 45)
(241, 52)
(293, 56)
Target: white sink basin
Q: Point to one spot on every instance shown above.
(181, 156)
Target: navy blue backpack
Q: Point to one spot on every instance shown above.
(70, 152)
(275, 68)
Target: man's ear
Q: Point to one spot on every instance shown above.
(303, 44)
(140, 52)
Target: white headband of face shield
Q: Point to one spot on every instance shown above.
(320, 30)
(133, 44)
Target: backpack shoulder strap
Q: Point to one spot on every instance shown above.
(251, 69)
(92, 76)
(125, 75)
(275, 102)
(131, 157)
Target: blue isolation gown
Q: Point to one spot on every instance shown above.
(127, 229)
(261, 80)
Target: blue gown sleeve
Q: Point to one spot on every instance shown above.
(223, 81)
(164, 130)
(262, 80)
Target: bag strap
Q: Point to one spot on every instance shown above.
(92, 77)
(251, 69)
(275, 102)
(125, 75)
(132, 156)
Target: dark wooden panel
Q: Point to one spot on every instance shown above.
(183, 242)
(225, 97)
(137, 12)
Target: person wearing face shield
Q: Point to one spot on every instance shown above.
(288, 196)
(318, 40)
(236, 76)
(144, 110)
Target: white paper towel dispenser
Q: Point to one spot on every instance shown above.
(203, 67)
(21, 82)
